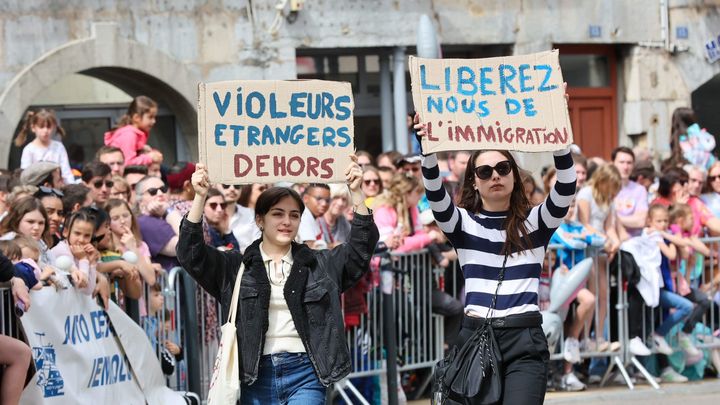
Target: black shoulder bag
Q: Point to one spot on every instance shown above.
(471, 374)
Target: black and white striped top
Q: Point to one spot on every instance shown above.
(479, 238)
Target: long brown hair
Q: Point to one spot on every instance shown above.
(18, 210)
(682, 118)
(140, 105)
(394, 196)
(40, 118)
(517, 234)
(134, 227)
(605, 184)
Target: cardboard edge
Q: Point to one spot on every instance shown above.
(202, 144)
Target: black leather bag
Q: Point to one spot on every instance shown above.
(472, 374)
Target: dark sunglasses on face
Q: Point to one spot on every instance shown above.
(214, 205)
(713, 178)
(235, 186)
(484, 172)
(371, 181)
(154, 190)
(99, 183)
(682, 182)
(43, 191)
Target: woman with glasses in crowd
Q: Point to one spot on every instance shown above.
(218, 222)
(289, 317)
(494, 227)
(372, 184)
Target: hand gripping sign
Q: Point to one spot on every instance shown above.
(513, 103)
(261, 131)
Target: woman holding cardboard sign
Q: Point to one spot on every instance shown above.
(501, 242)
(289, 320)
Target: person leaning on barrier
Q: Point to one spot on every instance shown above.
(492, 227)
(289, 317)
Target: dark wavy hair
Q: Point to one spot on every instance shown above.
(517, 233)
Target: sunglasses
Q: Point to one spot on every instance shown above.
(235, 186)
(154, 190)
(42, 191)
(682, 182)
(484, 172)
(214, 205)
(99, 183)
(371, 181)
(713, 178)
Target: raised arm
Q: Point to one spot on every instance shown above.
(555, 206)
(353, 258)
(444, 210)
(211, 268)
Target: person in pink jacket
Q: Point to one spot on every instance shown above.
(397, 218)
(132, 131)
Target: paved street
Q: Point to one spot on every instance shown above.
(700, 393)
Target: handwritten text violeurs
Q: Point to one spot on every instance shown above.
(266, 124)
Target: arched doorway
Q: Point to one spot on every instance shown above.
(706, 103)
(131, 66)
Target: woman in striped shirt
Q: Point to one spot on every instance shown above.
(493, 226)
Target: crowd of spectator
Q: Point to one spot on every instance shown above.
(127, 199)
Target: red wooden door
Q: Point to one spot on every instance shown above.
(592, 124)
(593, 95)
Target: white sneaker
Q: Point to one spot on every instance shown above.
(687, 346)
(570, 382)
(571, 350)
(669, 375)
(638, 348)
(594, 379)
(661, 345)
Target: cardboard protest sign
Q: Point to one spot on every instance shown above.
(512, 103)
(261, 131)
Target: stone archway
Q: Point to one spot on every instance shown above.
(129, 65)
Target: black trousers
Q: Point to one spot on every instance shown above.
(525, 359)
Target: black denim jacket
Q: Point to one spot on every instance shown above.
(312, 292)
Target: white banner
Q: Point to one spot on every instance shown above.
(80, 361)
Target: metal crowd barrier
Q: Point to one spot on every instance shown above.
(409, 279)
(8, 323)
(708, 284)
(617, 326)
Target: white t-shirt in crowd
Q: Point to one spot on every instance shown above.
(597, 214)
(310, 230)
(243, 226)
(55, 153)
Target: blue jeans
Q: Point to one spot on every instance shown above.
(682, 306)
(284, 379)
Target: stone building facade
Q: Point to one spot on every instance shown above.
(628, 63)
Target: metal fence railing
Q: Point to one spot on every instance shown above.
(393, 329)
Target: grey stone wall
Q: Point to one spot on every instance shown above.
(181, 42)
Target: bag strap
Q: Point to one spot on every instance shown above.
(236, 292)
(501, 277)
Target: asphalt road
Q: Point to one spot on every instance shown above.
(698, 393)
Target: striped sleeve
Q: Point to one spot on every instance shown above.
(446, 214)
(555, 206)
